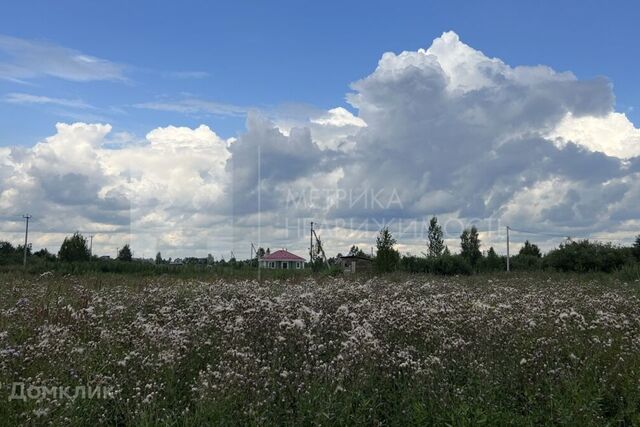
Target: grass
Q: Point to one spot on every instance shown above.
(524, 349)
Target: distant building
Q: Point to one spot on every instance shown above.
(194, 260)
(356, 263)
(282, 260)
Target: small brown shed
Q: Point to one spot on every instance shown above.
(356, 263)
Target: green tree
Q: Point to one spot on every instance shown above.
(387, 258)
(45, 254)
(470, 245)
(435, 241)
(6, 249)
(159, 259)
(636, 248)
(125, 254)
(9, 254)
(492, 261)
(260, 253)
(356, 251)
(530, 249)
(74, 249)
(20, 249)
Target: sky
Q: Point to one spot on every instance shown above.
(200, 127)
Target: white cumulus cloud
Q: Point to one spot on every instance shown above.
(445, 130)
(613, 134)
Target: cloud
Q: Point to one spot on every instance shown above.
(445, 130)
(339, 117)
(28, 99)
(73, 180)
(330, 130)
(612, 134)
(449, 120)
(265, 159)
(333, 129)
(28, 59)
(195, 106)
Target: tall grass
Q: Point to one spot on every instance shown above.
(402, 350)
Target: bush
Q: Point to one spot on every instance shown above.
(414, 264)
(585, 256)
(333, 271)
(45, 255)
(629, 273)
(525, 262)
(492, 262)
(10, 255)
(317, 265)
(446, 265)
(450, 265)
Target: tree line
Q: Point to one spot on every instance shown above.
(75, 255)
(570, 256)
(74, 248)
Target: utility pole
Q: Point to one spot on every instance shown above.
(259, 210)
(311, 244)
(27, 217)
(508, 269)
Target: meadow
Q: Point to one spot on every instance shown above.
(519, 349)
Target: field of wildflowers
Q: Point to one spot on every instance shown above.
(503, 350)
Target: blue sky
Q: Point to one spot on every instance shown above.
(269, 54)
(142, 121)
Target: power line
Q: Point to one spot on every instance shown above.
(565, 236)
(409, 231)
(539, 233)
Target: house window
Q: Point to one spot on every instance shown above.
(297, 265)
(273, 264)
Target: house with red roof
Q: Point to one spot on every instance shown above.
(282, 260)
